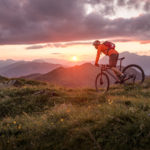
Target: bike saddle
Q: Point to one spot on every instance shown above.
(122, 58)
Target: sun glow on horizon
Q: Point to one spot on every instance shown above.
(74, 58)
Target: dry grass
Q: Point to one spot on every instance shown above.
(45, 117)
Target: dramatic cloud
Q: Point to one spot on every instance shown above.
(132, 3)
(58, 45)
(36, 47)
(50, 21)
(143, 53)
(56, 53)
(147, 6)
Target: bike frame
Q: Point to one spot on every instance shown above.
(108, 68)
(112, 75)
(106, 73)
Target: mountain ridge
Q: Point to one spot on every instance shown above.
(76, 76)
(24, 68)
(12, 68)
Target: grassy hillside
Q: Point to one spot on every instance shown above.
(38, 116)
(71, 77)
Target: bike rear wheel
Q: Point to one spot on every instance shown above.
(134, 74)
(102, 82)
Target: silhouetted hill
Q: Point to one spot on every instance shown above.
(77, 76)
(74, 77)
(32, 76)
(24, 68)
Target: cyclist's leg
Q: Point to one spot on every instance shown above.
(117, 71)
(113, 62)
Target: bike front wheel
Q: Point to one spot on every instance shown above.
(134, 74)
(102, 82)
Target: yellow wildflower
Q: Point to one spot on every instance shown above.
(89, 107)
(68, 110)
(61, 119)
(14, 122)
(110, 101)
(19, 127)
(99, 105)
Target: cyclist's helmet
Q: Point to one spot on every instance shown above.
(96, 43)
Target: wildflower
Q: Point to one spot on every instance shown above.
(61, 119)
(89, 107)
(110, 101)
(132, 109)
(141, 126)
(19, 127)
(99, 105)
(68, 110)
(14, 122)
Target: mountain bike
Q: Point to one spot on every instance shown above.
(134, 74)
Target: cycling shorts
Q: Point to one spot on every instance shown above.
(113, 60)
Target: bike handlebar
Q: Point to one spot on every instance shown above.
(104, 66)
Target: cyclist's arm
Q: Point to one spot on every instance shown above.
(98, 56)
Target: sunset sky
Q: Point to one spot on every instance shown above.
(62, 29)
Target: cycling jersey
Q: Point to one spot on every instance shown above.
(104, 49)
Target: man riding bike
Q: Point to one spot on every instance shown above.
(113, 57)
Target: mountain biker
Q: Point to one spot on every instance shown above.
(113, 57)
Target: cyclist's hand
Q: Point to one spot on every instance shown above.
(97, 65)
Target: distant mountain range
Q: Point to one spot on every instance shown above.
(23, 68)
(4, 63)
(11, 68)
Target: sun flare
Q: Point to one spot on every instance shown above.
(74, 58)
